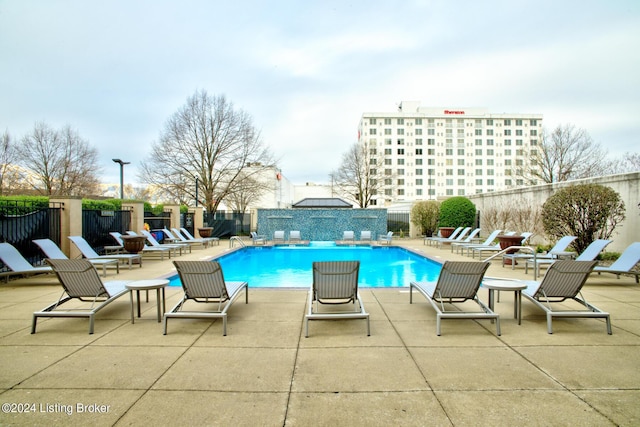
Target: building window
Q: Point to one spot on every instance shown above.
(518, 122)
(507, 132)
(489, 151)
(489, 141)
(460, 172)
(478, 162)
(489, 122)
(400, 131)
(460, 162)
(478, 132)
(372, 131)
(401, 161)
(418, 121)
(518, 132)
(372, 161)
(418, 141)
(419, 192)
(388, 162)
(400, 151)
(372, 121)
(478, 172)
(478, 142)
(387, 131)
(431, 141)
(533, 122)
(478, 151)
(478, 182)
(507, 152)
(418, 171)
(400, 192)
(400, 141)
(461, 181)
(387, 121)
(449, 172)
(533, 132)
(449, 191)
(460, 151)
(489, 132)
(431, 162)
(507, 142)
(418, 162)
(401, 182)
(401, 121)
(431, 131)
(418, 151)
(387, 151)
(418, 131)
(400, 171)
(418, 181)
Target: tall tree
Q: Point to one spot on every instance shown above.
(567, 153)
(358, 176)
(7, 158)
(60, 161)
(206, 141)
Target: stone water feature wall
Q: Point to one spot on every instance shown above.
(322, 224)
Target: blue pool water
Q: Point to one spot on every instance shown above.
(290, 266)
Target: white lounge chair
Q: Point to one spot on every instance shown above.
(146, 250)
(623, 265)
(206, 240)
(468, 240)
(459, 238)
(589, 254)
(462, 247)
(386, 239)
(258, 239)
(335, 283)
(203, 282)
(348, 236)
(558, 249)
(365, 236)
(52, 251)
(458, 282)
(497, 248)
(80, 281)
(278, 236)
(195, 242)
(294, 236)
(13, 259)
(435, 239)
(88, 252)
(176, 247)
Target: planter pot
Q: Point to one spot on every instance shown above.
(446, 231)
(508, 241)
(205, 231)
(133, 244)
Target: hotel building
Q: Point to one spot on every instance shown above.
(423, 153)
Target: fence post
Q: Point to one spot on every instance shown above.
(70, 223)
(174, 218)
(137, 214)
(198, 220)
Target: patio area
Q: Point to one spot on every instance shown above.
(265, 372)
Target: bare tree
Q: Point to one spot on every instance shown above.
(567, 153)
(358, 176)
(7, 166)
(630, 162)
(60, 160)
(207, 141)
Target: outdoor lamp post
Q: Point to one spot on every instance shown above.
(121, 163)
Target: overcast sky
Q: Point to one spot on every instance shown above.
(307, 70)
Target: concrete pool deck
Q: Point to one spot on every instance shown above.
(264, 372)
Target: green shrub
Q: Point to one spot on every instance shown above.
(589, 211)
(101, 205)
(424, 215)
(457, 212)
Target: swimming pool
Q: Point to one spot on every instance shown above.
(290, 266)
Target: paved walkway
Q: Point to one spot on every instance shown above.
(266, 373)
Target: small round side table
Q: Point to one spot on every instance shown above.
(506, 285)
(147, 285)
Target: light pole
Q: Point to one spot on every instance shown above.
(121, 163)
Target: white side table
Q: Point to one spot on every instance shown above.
(147, 285)
(506, 285)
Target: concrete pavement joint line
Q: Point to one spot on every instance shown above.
(295, 363)
(415, 362)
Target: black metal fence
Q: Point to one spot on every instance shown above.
(96, 225)
(398, 222)
(21, 222)
(227, 224)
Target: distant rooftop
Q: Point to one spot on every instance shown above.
(322, 202)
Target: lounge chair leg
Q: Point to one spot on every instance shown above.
(549, 323)
(33, 324)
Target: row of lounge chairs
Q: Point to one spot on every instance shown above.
(334, 283)
(294, 237)
(19, 266)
